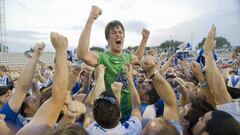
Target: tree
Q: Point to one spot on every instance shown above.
(221, 42)
(30, 50)
(172, 44)
(98, 49)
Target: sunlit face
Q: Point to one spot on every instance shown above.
(198, 129)
(116, 39)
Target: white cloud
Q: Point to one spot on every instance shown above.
(162, 17)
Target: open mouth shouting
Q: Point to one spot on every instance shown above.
(118, 41)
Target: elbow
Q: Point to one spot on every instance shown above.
(80, 54)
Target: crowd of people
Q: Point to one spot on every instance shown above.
(121, 93)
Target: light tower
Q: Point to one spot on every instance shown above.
(3, 47)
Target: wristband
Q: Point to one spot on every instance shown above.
(151, 76)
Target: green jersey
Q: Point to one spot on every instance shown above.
(115, 73)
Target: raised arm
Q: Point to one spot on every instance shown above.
(214, 78)
(99, 85)
(25, 80)
(162, 87)
(95, 92)
(168, 64)
(140, 51)
(47, 114)
(135, 99)
(196, 69)
(83, 52)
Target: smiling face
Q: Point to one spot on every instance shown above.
(116, 39)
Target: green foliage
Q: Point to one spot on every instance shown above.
(170, 44)
(221, 42)
(98, 49)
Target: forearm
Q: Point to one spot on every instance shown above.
(60, 81)
(118, 97)
(83, 43)
(140, 51)
(97, 90)
(23, 85)
(135, 100)
(165, 66)
(209, 95)
(216, 81)
(25, 80)
(164, 90)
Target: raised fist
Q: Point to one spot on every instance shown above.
(145, 33)
(75, 109)
(38, 49)
(148, 63)
(95, 12)
(116, 87)
(59, 41)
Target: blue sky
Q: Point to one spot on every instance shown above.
(31, 21)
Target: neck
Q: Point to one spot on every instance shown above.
(115, 53)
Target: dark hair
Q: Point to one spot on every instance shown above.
(23, 107)
(69, 129)
(4, 89)
(222, 123)
(110, 26)
(153, 95)
(234, 92)
(198, 108)
(105, 112)
(45, 95)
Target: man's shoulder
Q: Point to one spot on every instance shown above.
(96, 129)
(133, 126)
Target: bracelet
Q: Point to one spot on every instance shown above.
(151, 76)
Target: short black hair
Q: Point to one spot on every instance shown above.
(222, 123)
(5, 89)
(105, 112)
(110, 26)
(198, 108)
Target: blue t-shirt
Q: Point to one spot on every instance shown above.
(76, 88)
(12, 117)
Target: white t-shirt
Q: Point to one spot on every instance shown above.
(148, 114)
(131, 127)
(231, 108)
